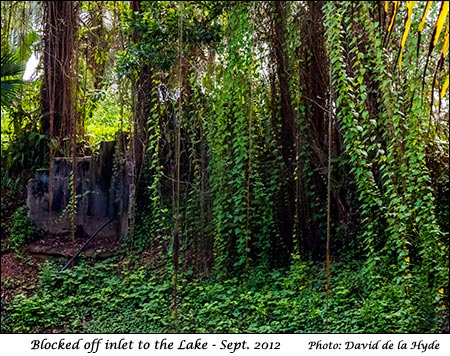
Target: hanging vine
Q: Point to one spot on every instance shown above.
(381, 138)
(243, 217)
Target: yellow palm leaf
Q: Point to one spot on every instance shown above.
(440, 22)
(444, 50)
(394, 12)
(409, 7)
(424, 16)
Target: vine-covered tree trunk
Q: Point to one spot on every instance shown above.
(287, 133)
(313, 78)
(140, 105)
(58, 93)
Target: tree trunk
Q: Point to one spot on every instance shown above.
(58, 92)
(142, 104)
(286, 138)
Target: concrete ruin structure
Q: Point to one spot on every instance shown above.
(104, 189)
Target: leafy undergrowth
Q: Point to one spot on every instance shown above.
(118, 297)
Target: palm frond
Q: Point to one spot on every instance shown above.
(10, 69)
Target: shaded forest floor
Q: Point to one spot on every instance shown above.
(102, 293)
(21, 274)
(18, 275)
(124, 295)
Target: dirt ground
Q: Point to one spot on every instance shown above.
(18, 275)
(21, 275)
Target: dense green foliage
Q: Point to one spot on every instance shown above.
(117, 298)
(22, 231)
(289, 159)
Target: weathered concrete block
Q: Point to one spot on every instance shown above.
(102, 192)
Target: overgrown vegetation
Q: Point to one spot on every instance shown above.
(22, 231)
(111, 297)
(290, 161)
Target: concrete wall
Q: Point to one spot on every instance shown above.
(103, 191)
